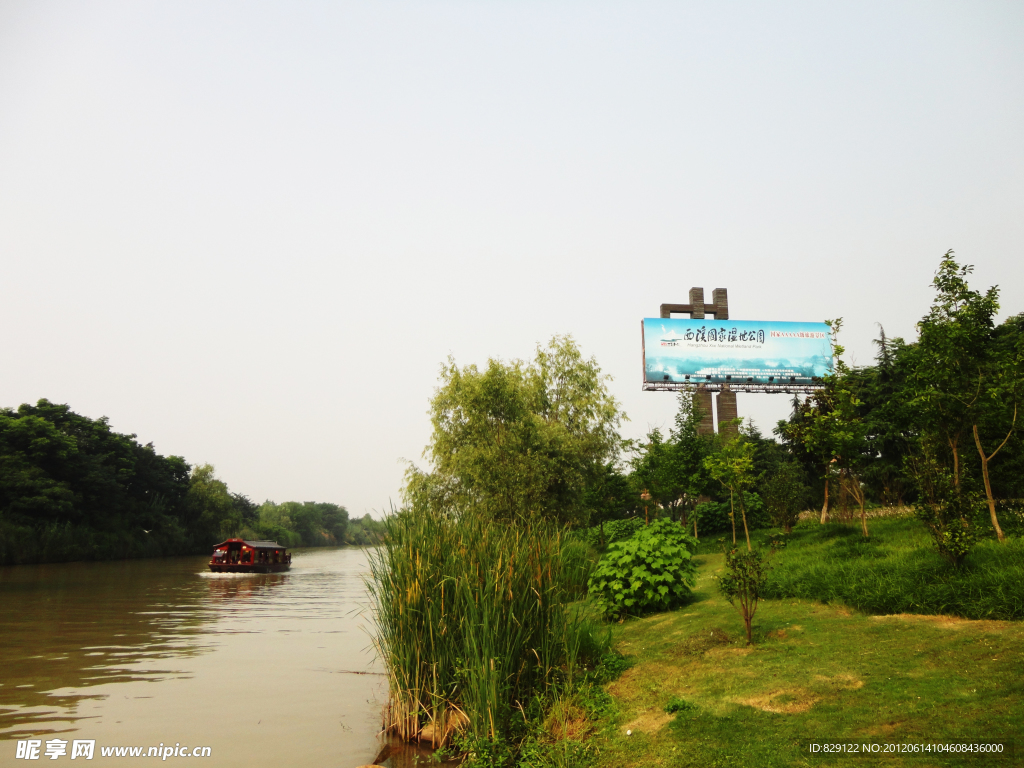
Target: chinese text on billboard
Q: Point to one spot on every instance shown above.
(686, 351)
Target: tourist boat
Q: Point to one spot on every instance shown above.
(239, 556)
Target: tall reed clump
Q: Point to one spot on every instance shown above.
(471, 622)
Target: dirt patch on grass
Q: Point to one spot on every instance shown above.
(945, 622)
(725, 653)
(841, 682)
(884, 729)
(701, 642)
(649, 722)
(781, 701)
(778, 634)
(626, 685)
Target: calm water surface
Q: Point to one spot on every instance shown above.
(258, 667)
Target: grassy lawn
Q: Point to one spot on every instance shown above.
(898, 570)
(815, 672)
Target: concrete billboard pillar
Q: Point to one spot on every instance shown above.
(720, 298)
(697, 303)
(702, 403)
(727, 412)
(698, 310)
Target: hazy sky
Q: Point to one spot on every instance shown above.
(251, 232)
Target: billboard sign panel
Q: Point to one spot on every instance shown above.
(745, 354)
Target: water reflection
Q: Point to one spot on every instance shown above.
(395, 753)
(80, 624)
(143, 652)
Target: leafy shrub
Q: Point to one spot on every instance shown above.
(950, 511)
(713, 516)
(746, 575)
(652, 571)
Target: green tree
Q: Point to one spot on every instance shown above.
(654, 472)
(517, 440)
(608, 496)
(891, 418)
(111, 495)
(210, 505)
(690, 448)
(946, 508)
(966, 381)
(732, 465)
(746, 574)
(672, 471)
(783, 492)
(795, 434)
(32, 454)
(831, 427)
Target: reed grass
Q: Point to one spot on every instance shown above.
(473, 622)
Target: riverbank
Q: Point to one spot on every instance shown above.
(815, 671)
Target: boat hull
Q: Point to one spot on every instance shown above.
(249, 568)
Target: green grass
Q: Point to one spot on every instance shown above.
(897, 570)
(815, 672)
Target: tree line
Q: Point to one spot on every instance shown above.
(71, 488)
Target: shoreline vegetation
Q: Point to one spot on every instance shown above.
(73, 489)
(551, 594)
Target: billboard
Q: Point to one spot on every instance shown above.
(748, 355)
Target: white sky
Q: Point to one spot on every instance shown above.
(251, 232)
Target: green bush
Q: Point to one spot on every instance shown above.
(713, 516)
(950, 511)
(743, 583)
(652, 571)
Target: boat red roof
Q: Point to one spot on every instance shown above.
(251, 544)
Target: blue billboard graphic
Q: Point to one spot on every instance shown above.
(736, 352)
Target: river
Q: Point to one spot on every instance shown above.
(272, 669)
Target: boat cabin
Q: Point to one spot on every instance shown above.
(240, 556)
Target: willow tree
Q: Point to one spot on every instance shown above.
(518, 440)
